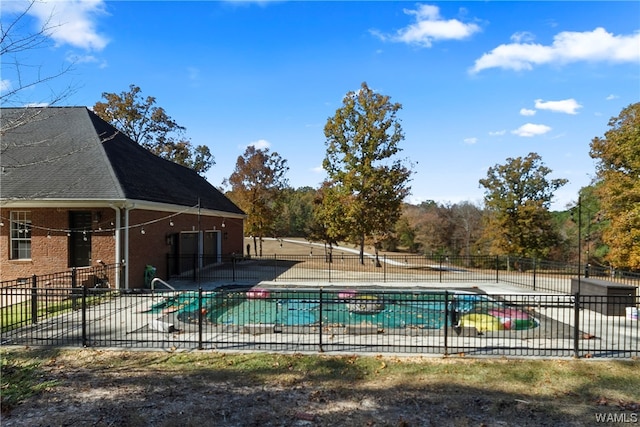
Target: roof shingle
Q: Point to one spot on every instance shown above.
(69, 153)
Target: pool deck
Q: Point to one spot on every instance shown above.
(489, 288)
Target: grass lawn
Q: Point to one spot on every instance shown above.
(18, 315)
(103, 387)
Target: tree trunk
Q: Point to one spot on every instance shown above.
(362, 249)
(377, 257)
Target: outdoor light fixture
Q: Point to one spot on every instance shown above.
(142, 231)
(171, 222)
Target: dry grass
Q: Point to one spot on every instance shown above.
(97, 387)
(303, 247)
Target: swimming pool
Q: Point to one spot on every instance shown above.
(384, 310)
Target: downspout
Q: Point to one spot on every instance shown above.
(125, 259)
(118, 243)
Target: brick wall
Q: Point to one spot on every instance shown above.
(152, 247)
(50, 242)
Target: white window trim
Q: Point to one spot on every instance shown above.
(20, 235)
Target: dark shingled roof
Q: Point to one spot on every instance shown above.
(69, 153)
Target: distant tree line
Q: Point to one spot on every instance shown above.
(362, 200)
(601, 227)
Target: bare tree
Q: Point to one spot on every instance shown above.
(17, 44)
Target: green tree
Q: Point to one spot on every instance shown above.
(517, 198)
(618, 173)
(362, 140)
(297, 211)
(405, 235)
(587, 214)
(257, 185)
(451, 229)
(150, 126)
(328, 221)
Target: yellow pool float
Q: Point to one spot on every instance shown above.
(482, 322)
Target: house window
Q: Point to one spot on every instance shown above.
(20, 235)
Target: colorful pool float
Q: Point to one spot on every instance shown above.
(347, 294)
(513, 319)
(258, 293)
(365, 304)
(482, 322)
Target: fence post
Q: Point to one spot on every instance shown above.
(534, 274)
(384, 268)
(84, 315)
(233, 268)
(275, 267)
(200, 347)
(446, 323)
(74, 289)
(320, 324)
(34, 299)
(497, 268)
(576, 325)
(440, 274)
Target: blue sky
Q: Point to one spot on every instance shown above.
(479, 81)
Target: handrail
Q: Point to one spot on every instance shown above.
(155, 280)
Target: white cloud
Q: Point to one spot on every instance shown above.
(260, 144)
(86, 59)
(612, 97)
(72, 22)
(568, 106)
(5, 85)
(470, 140)
(531, 129)
(523, 36)
(527, 112)
(567, 47)
(430, 27)
(317, 169)
(36, 104)
(497, 133)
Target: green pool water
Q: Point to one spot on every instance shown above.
(286, 308)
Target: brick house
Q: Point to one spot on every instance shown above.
(75, 191)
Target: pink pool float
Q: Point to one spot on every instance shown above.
(258, 293)
(347, 294)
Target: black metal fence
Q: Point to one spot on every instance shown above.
(28, 300)
(340, 267)
(325, 320)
